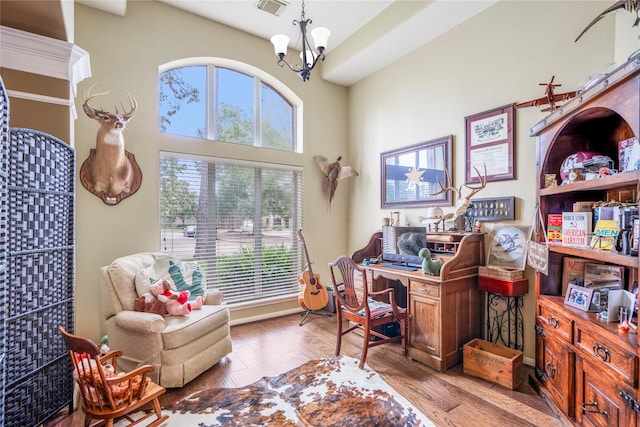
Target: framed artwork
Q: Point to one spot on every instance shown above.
(490, 144)
(578, 297)
(409, 176)
(508, 247)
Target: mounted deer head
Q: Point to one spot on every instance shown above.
(110, 172)
(462, 203)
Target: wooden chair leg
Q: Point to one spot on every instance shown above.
(339, 334)
(365, 346)
(403, 336)
(156, 408)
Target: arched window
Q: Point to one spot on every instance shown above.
(238, 219)
(218, 102)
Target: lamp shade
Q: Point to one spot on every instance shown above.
(320, 36)
(310, 58)
(280, 42)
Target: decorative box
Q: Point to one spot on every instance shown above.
(492, 362)
(500, 273)
(509, 288)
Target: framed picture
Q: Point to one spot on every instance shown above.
(578, 297)
(508, 248)
(412, 176)
(490, 144)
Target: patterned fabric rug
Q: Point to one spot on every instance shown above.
(325, 392)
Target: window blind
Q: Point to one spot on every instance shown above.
(239, 220)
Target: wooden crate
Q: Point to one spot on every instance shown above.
(492, 362)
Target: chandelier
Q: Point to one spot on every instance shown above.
(309, 57)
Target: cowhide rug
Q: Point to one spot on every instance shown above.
(325, 392)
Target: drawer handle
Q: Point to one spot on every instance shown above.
(553, 322)
(601, 352)
(540, 330)
(595, 408)
(550, 370)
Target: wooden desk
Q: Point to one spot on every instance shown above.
(445, 312)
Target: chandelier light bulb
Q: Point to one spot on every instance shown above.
(310, 57)
(280, 42)
(320, 37)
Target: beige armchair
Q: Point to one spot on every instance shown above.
(179, 347)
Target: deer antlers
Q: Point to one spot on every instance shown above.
(92, 112)
(462, 203)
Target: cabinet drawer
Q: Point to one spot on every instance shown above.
(605, 355)
(425, 289)
(554, 322)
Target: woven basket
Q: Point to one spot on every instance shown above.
(500, 273)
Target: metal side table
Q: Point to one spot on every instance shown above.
(504, 319)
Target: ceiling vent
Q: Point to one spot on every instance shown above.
(274, 7)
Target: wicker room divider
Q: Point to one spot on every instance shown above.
(37, 228)
(4, 188)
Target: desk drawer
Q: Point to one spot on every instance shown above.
(605, 355)
(555, 322)
(425, 289)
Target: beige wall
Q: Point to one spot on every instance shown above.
(494, 59)
(125, 55)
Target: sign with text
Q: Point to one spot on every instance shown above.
(538, 257)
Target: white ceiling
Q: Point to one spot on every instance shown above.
(366, 35)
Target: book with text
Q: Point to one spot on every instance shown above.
(573, 271)
(576, 228)
(604, 235)
(554, 228)
(603, 276)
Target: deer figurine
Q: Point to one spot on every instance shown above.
(462, 203)
(110, 172)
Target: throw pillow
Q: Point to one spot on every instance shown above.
(183, 276)
(187, 276)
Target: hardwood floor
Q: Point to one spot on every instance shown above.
(271, 347)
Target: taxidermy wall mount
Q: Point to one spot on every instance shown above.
(110, 172)
(333, 172)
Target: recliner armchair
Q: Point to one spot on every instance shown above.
(179, 347)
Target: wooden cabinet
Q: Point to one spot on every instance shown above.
(424, 335)
(555, 356)
(584, 365)
(445, 311)
(598, 401)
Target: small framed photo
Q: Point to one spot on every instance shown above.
(578, 297)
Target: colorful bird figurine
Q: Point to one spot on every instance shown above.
(628, 5)
(333, 172)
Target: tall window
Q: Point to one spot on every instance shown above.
(237, 219)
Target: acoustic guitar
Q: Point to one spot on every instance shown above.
(313, 295)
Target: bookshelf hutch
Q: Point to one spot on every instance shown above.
(584, 365)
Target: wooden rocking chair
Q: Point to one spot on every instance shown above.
(106, 394)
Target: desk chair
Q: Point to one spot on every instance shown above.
(107, 395)
(358, 306)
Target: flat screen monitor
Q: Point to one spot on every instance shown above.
(402, 244)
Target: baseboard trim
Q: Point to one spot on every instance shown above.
(265, 316)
